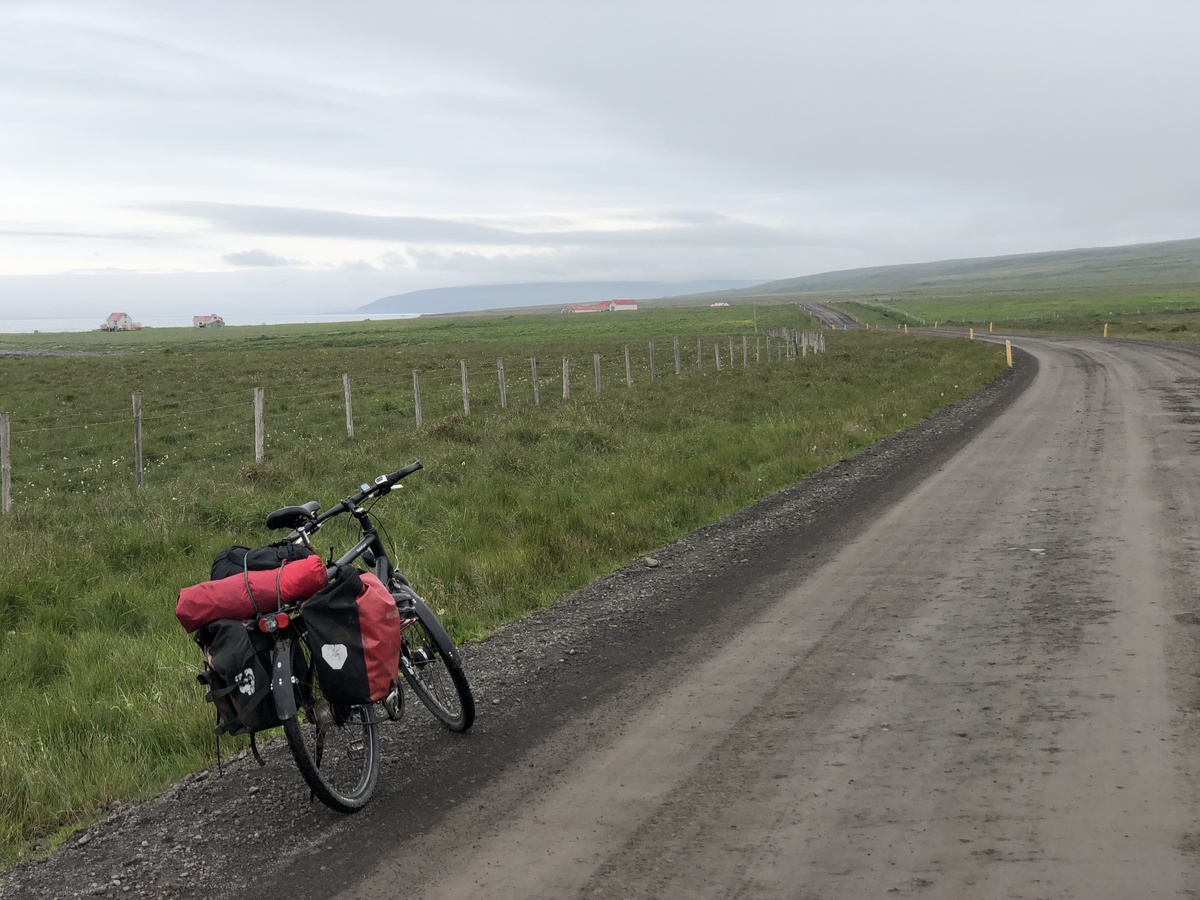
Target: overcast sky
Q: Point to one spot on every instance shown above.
(320, 155)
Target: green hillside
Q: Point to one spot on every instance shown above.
(1170, 265)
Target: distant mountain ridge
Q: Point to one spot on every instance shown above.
(541, 293)
(1167, 264)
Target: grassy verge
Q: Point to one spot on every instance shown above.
(1167, 315)
(97, 698)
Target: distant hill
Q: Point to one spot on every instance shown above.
(491, 296)
(1169, 265)
(1166, 265)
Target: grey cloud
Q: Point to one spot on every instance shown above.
(319, 223)
(56, 234)
(257, 258)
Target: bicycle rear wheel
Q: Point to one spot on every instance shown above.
(335, 747)
(429, 663)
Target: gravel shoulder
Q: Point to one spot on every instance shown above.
(548, 687)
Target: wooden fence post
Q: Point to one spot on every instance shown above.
(259, 431)
(678, 367)
(757, 350)
(503, 387)
(699, 355)
(731, 352)
(5, 466)
(596, 362)
(566, 378)
(717, 354)
(745, 352)
(533, 373)
(653, 368)
(628, 370)
(417, 398)
(462, 365)
(349, 407)
(139, 475)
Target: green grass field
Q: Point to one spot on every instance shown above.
(1173, 315)
(98, 702)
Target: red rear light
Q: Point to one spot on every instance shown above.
(271, 624)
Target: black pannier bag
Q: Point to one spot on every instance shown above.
(238, 676)
(354, 630)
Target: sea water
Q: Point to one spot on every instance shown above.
(61, 324)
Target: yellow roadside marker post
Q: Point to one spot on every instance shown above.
(1008, 352)
(989, 327)
(972, 336)
(906, 328)
(1106, 329)
(935, 326)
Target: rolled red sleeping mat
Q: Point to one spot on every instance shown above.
(228, 598)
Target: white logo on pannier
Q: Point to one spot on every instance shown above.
(246, 683)
(335, 655)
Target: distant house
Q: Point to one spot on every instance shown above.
(603, 306)
(719, 303)
(212, 321)
(120, 321)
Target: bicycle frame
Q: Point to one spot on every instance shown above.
(371, 543)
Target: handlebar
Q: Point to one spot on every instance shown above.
(382, 485)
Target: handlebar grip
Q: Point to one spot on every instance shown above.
(405, 472)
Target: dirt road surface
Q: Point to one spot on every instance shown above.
(962, 666)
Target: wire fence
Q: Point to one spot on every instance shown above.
(112, 445)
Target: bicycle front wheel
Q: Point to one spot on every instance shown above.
(335, 747)
(429, 663)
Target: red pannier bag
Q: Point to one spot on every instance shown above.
(245, 595)
(354, 631)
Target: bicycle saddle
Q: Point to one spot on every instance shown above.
(293, 516)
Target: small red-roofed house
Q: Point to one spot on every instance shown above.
(119, 321)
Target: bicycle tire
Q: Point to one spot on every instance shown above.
(429, 663)
(336, 750)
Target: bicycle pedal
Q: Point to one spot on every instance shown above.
(393, 704)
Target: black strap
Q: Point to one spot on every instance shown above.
(254, 748)
(246, 578)
(217, 735)
(278, 584)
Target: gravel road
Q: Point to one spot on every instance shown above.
(961, 665)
